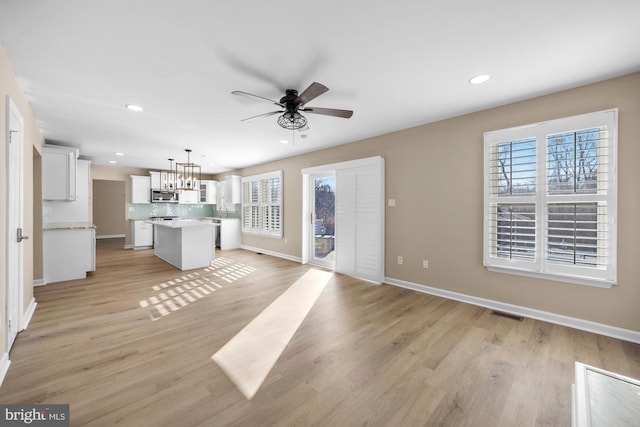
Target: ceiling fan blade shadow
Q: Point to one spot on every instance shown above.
(314, 90)
(271, 113)
(329, 112)
(250, 95)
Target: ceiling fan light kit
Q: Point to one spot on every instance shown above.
(292, 120)
(292, 104)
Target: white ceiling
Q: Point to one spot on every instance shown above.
(396, 64)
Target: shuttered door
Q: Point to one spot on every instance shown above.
(360, 220)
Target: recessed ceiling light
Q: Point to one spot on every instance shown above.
(120, 154)
(284, 141)
(133, 107)
(479, 79)
(113, 162)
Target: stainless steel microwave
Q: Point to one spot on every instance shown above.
(160, 197)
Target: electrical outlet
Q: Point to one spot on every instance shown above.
(400, 260)
(425, 263)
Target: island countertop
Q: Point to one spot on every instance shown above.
(180, 223)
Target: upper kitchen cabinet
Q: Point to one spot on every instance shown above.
(156, 179)
(140, 189)
(59, 173)
(208, 192)
(188, 196)
(234, 189)
(228, 193)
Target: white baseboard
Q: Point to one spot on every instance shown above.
(4, 366)
(39, 282)
(572, 322)
(128, 246)
(275, 254)
(111, 236)
(29, 314)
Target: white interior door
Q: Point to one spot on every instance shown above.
(14, 277)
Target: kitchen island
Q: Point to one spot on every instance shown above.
(185, 244)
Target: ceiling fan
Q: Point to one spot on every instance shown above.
(293, 104)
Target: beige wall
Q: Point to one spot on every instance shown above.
(122, 174)
(10, 87)
(435, 173)
(109, 207)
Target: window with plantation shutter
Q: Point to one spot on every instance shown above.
(262, 204)
(551, 199)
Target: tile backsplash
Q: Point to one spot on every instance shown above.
(147, 210)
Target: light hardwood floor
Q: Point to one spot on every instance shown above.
(132, 345)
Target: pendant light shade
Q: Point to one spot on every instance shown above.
(169, 179)
(188, 174)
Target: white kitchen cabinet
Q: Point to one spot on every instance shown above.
(77, 210)
(141, 234)
(228, 233)
(234, 188)
(156, 180)
(69, 251)
(59, 173)
(140, 189)
(188, 196)
(208, 192)
(229, 193)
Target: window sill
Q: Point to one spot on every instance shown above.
(576, 280)
(262, 234)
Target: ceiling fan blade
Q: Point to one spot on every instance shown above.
(314, 90)
(271, 113)
(329, 112)
(241, 93)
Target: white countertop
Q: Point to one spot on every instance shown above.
(67, 225)
(181, 223)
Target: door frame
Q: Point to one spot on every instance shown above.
(336, 168)
(15, 183)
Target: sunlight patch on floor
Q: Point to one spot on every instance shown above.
(249, 356)
(172, 295)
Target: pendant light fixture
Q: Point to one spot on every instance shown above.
(188, 174)
(169, 179)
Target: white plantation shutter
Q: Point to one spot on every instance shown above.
(360, 220)
(551, 199)
(262, 204)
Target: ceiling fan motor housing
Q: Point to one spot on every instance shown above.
(289, 100)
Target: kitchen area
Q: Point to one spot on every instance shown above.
(184, 217)
(178, 213)
(69, 235)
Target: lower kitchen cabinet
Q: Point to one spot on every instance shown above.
(229, 233)
(141, 234)
(69, 251)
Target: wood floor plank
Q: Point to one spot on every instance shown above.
(131, 345)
